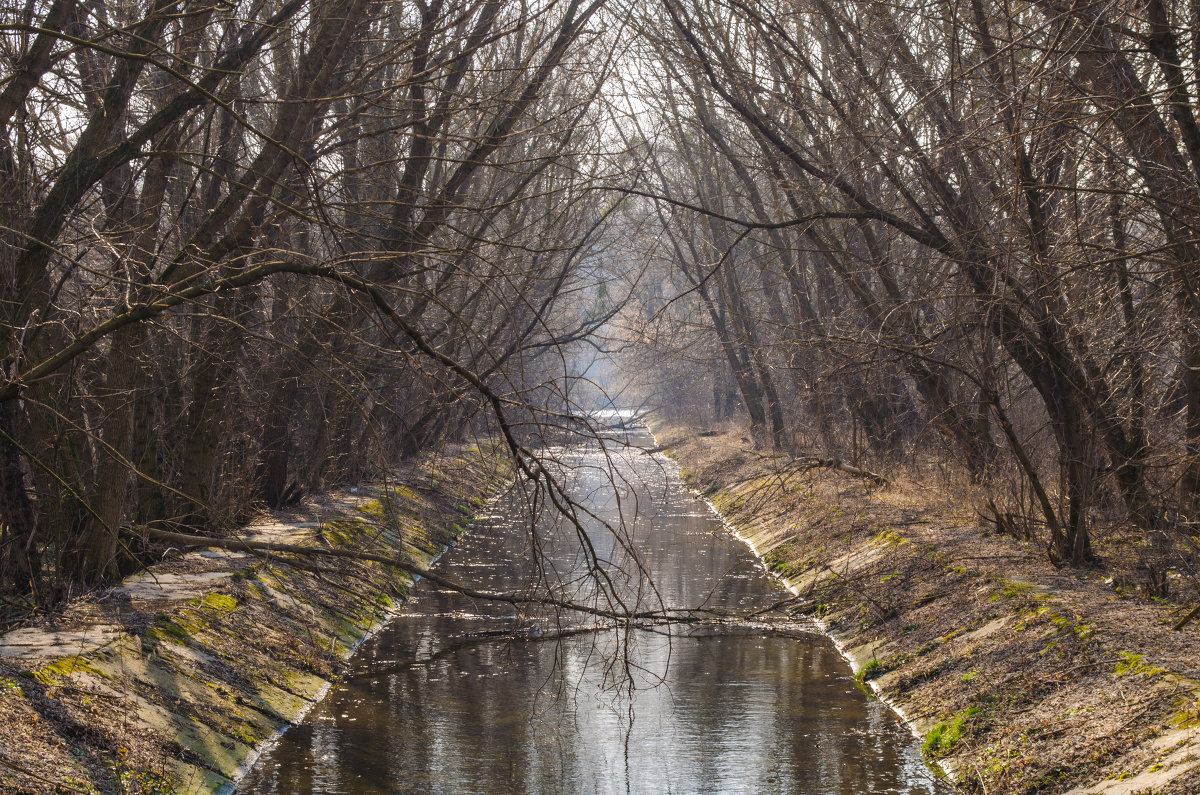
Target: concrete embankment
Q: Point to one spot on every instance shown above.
(172, 681)
(1019, 677)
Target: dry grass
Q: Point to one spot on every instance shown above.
(1031, 678)
(189, 683)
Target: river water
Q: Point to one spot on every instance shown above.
(465, 696)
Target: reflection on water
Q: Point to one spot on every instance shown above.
(446, 701)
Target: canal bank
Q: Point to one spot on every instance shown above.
(459, 695)
(173, 680)
(1018, 677)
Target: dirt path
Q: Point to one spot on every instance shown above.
(1021, 677)
(172, 681)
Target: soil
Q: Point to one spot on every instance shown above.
(173, 680)
(1021, 677)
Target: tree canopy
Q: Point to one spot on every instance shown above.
(252, 250)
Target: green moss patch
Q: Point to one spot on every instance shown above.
(944, 736)
(59, 672)
(1135, 665)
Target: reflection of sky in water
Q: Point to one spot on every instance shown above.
(434, 704)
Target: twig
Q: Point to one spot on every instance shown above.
(245, 544)
(26, 772)
(1183, 622)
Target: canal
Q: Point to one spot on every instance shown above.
(464, 696)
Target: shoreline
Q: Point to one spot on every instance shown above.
(936, 767)
(1017, 677)
(177, 679)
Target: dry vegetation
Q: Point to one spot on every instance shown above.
(1021, 676)
(252, 251)
(167, 682)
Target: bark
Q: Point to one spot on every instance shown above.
(20, 547)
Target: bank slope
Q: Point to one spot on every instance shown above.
(1020, 678)
(173, 680)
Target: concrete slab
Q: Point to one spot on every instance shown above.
(172, 587)
(39, 643)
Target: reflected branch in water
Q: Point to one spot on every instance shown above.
(698, 629)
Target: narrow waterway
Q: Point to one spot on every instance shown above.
(459, 696)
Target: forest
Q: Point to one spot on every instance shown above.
(252, 250)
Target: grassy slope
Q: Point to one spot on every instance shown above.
(185, 689)
(1022, 678)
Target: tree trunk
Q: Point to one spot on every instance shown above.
(20, 561)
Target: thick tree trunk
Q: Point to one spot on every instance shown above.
(276, 443)
(20, 562)
(92, 557)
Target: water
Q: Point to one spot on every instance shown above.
(459, 696)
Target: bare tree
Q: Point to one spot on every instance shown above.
(248, 259)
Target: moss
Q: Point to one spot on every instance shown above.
(943, 737)
(346, 530)
(174, 629)
(217, 601)
(59, 671)
(726, 502)
(247, 730)
(404, 492)
(373, 510)
(951, 635)
(79, 784)
(784, 560)
(1084, 630)
(148, 782)
(889, 537)
(995, 767)
(1135, 665)
(1187, 714)
(1056, 775)
(1012, 590)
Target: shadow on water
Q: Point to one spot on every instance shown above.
(459, 696)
